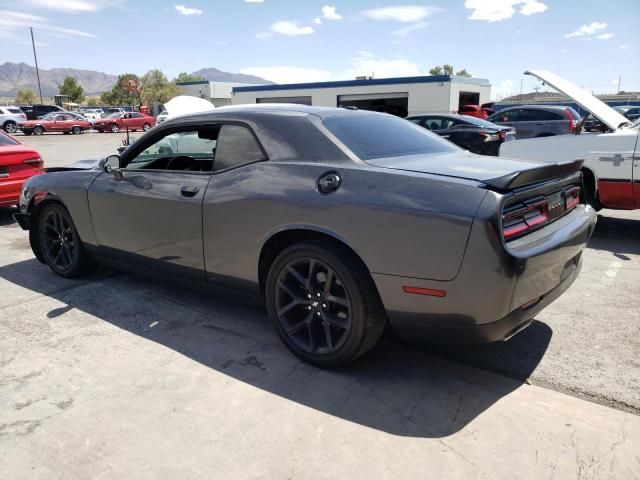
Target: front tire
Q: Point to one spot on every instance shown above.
(60, 243)
(10, 127)
(115, 128)
(76, 130)
(323, 304)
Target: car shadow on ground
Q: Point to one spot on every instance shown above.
(397, 388)
(621, 236)
(6, 216)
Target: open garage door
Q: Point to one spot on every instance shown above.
(393, 103)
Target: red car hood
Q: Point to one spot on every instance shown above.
(16, 154)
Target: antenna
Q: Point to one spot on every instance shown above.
(35, 58)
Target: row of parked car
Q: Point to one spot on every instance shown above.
(470, 129)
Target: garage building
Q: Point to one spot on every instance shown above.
(400, 96)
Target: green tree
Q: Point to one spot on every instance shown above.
(186, 77)
(126, 91)
(447, 69)
(155, 87)
(70, 87)
(93, 102)
(26, 95)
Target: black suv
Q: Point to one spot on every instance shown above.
(537, 120)
(33, 112)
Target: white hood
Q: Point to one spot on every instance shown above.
(597, 108)
(184, 105)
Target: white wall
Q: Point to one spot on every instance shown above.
(436, 97)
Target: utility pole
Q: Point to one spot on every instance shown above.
(619, 80)
(35, 58)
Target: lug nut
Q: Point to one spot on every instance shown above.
(324, 305)
(318, 294)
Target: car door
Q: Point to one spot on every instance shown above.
(149, 212)
(58, 123)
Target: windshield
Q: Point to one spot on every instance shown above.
(114, 115)
(379, 136)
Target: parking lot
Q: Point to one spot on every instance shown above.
(117, 373)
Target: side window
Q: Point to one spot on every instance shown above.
(136, 115)
(433, 123)
(191, 151)
(540, 115)
(236, 146)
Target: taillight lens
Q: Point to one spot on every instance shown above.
(572, 198)
(572, 121)
(36, 162)
(523, 218)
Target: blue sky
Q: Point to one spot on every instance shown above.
(589, 42)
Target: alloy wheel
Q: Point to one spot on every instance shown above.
(313, 306)
(11, 127)
(60, 245)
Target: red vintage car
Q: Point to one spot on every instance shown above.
(17, 164)
(123, 120)
(55, 122)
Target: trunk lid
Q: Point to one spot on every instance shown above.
(16, 154)
(498, 173)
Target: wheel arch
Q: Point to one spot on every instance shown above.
(284, 238)
(590, 186)
(34, 208)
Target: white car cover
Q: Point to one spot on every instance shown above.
(185, 104)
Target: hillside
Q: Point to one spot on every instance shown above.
(14, 76)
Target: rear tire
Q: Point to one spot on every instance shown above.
(60, 244)
(146, 127)
(27, 132)
(76, 130)
(38, 130)
(323, 304)
(10, 127)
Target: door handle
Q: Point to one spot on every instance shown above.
(188, 191)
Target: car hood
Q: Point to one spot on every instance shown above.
(497, 172)
(595, 107)
(90, 164)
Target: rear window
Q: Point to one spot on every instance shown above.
(15, 110)
(7, 140)
(379, 136)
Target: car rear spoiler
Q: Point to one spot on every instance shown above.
(534, 175)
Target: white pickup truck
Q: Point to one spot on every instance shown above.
(611, 170)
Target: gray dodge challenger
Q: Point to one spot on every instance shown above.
(341, 222)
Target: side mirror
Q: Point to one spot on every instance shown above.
(112, 165)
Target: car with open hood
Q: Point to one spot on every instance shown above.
(341, 222)
(611, 157)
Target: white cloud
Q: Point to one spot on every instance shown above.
(286, 27)
(13, 25)
(623, 47)
(264, 35)
(188, 11)
(564, 50)
(329, 13)
(317, 21)
(496, 10)
(532, 7)
(73, 6)
(586, 30)
(288, 74)
(404, 31)
(605, 36)
(401, 13)
(366, 63)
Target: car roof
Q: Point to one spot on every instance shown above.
(535, 107)
(454, 116)
(279, 108)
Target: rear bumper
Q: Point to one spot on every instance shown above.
(10, 192)
(488, 299)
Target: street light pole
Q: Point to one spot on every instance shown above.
(35, 58)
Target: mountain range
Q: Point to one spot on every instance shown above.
(14, 76)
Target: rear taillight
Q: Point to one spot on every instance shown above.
(572, 198)
(36, 162)
(524, 218)
(572, 121)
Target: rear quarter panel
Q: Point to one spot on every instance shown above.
(399, 223)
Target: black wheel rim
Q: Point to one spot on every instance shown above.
(313, 306)
(60, 245)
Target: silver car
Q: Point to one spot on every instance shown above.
(10, 117)
(537, 120)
